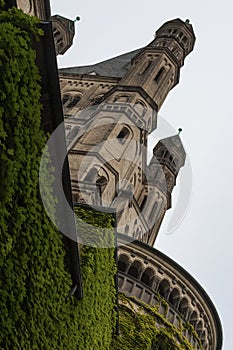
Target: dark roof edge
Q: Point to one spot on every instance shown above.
(114, 64)
(86, 76)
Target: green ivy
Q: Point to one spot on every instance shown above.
(97, 309)
(147, 329)
(36, 309)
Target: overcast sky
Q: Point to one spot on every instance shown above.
(200, 104)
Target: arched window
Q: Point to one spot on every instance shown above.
(123, 135)
(123, 263)
(140, 108)
(147, 276)
(145, 279)
(174, 297)
(74, 101)
(183, 307)
(164, 288)
(193, 318)
(134, 269)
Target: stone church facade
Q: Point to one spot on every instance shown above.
(110, 109)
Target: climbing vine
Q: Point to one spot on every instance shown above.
(97, 309)
(144, 328)
(37, 311)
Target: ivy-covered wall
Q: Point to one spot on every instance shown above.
(97, 308)
(36, 309)
(142, 327)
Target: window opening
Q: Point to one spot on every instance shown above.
(74, 101)
(145, 278)
(142, 206)
(123, 135)
(133, 271)
(65, 99)
(147, 67)
(159, 74)
(121, 266)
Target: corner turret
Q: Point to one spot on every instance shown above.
(156, 68)
(177, 37)
(63, 32)
(168, 157)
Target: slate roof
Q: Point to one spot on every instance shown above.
(113, 67)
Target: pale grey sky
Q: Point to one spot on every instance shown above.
(200, 104)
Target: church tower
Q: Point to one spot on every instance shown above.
(111, 116)
(156, 68)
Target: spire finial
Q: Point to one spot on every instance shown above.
(179, 131)
(187, 21)
(77, 19)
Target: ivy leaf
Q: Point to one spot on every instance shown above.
(10, 152)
